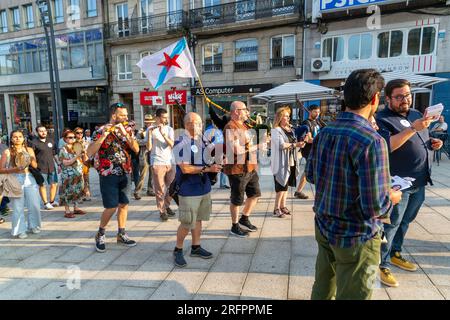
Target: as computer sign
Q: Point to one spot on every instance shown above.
(335, 5)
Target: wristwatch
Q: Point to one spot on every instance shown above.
(413, 129)
(203, 169)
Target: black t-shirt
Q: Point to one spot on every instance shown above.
(44, 150)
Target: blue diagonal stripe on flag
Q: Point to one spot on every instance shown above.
(181, 45)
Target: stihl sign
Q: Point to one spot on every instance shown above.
(146, 97)
(176, 96)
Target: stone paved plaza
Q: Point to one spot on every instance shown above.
(277, 262)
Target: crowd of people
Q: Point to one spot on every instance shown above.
(360, 220)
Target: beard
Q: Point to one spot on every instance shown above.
(401, 108)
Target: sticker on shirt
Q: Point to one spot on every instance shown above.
(194, 148)
(50, 145)
(405, 123)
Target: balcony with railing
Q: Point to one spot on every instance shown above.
(211, 68)
(285, 62)
(246, 10)
(148, 25)
(246, 66)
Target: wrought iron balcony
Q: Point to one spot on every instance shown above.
(246, 66)
(170, 22)
(285, 62)
(210, 68)
(242, 11)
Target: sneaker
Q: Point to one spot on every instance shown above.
(201, 253)
(300, 195)
(54, 204)
(124, 240)
(22, 236)
(387, 278)
(398, 261)
(48, 206)
(5, 211)
(163, 216)
(100, 242)
(170, 213)
(36, 230)
(179, 259)
(247, 225)
(137, 196)
(151, 193)
(238, 232)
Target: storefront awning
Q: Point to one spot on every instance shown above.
(297, 90)
(416, 80)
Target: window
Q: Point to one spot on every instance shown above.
(124, 67)
(390, 44)
(245, 10)
(146, 12)
(122, 19)
(246, 55)
(175, 6)
(212, 57)
(58, 11)
(74, 9)
(15, 13)
(144, 54)
(3, 21)
(360, 46)
(280, 7)
(91, 7)
(333, 48)
(421, 41)
(29, 16)
(283, 51)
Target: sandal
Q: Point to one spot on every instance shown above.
(285, 211)
(278, 213)
(69, 215)
(2, 220)
(79, 211)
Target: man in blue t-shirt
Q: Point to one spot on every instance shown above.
(194, 188)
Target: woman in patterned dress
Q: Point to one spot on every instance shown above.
(72, 185)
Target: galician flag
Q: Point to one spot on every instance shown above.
(172, 61)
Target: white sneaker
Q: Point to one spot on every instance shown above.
(36, 230)
(22, 236)
(54, 204)
(48, 206)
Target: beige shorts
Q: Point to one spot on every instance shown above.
(193, 209)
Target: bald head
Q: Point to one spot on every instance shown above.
(239, 111)
(193, 124)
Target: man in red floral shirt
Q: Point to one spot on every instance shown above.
(111, 147)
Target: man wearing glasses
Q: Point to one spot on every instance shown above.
(241, 168)
(45, 149)
(405, 131)
(111, 147)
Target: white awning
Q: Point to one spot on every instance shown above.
(297, 90)
(417, 80)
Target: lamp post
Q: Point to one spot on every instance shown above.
(47, 22)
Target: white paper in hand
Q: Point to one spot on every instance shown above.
(399, 183)
(434, 111)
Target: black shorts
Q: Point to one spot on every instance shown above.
(292, 182)
(114, 190)
(240, 183)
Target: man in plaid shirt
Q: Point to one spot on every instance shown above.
(349, 167)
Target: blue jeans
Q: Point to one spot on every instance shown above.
(31, 199)
(402, 215)
(223, 179)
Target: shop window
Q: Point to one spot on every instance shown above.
(333, 48)
(421, 41)
(212, 57)
(360, 46)
(282, 51)
(390, 44)
(20, 112)
(124, 67)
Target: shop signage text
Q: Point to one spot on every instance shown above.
(146, 97)
(229, 90)
(334, 5)
(176, 97)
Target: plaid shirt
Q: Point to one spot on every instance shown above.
(349, 166)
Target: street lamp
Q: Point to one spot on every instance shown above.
(47, 22)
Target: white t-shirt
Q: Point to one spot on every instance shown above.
(161, 152)
(442, 125)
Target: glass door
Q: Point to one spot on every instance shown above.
(146, 13)
(174, 13)
(122, 19)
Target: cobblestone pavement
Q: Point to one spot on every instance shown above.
(277, 262)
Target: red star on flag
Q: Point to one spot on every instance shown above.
(169, 62)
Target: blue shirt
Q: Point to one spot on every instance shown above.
(191, 184)
(301, 131)
(349, 166)
(413, 159)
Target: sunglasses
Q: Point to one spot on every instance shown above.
(70, 137)
(79, 132)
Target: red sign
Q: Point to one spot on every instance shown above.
(146, 97)
(176, 96)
